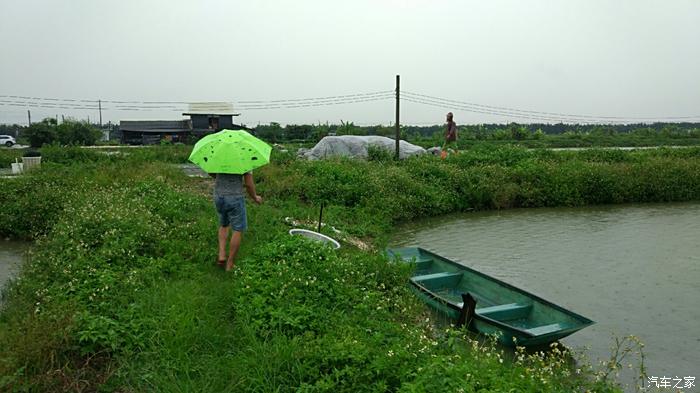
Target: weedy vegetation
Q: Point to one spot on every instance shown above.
(120, 291)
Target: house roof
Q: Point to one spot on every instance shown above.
(211, 109)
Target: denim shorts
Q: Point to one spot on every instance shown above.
(231, 211)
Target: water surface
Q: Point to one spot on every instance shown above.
(11, 256)
(634, 269)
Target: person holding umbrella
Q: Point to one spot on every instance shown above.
(230, 206)
(230, 156)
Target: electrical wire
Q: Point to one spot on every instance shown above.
(468, 109)
(315, 104)
(517, 112)
(510, 114)
(139, 106)
(169, 104)
(385, 92)
(312, 102)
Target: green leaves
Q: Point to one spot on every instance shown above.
(70, 132)
(122, 271)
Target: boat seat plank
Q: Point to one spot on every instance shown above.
(433, 276)
(546, 329)
(423, 264)
(438, 280)
(505, 311)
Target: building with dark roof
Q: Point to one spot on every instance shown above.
(205, 118)
(151, 132)
(208, 117)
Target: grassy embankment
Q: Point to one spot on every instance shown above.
(568, 140)
(120, 292)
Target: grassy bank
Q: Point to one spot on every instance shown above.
(483, 178)
(567, 140)
(120, 293)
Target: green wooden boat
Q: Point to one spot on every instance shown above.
(485, 304)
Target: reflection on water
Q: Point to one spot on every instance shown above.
(11, 256)
(633, 269)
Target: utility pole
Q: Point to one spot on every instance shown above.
(29, 116)
(398, 132)
(99, 103)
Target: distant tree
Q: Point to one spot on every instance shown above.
(518, 132)
(320, 131)
(644, 131)
(501, 134)
(298, 132)
(73, 132)
(603, 130)
(42, 133)
(671, 130)
(390, 131)
(11, 129)
(349, 128)
(272, 132)
(466, 132)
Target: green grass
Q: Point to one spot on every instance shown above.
(121, 293)
(643, 138)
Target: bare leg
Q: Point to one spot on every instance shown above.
(233, 249)
(223, 237)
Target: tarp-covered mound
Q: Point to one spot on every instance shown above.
(356, 146)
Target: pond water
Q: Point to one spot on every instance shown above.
(634, 269)
(11, 257)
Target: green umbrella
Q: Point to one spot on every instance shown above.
(230, 151)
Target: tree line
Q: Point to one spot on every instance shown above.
(275, 132)
(73, 132)
(48, 131)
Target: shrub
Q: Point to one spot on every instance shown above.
(123, 275)
(378, 154)
(41, 133)
(72, 132)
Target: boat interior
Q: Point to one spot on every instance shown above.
(494, 300)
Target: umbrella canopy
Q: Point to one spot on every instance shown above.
(230, 151)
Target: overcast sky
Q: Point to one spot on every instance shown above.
(616, 58)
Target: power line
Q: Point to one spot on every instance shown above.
(497, 113)
(517, 112)
(321, 98)
(56, 106)
(316, 104)
(312, 102)
(75, 104)
(453, 106)
(44, 105)
(468, 109)
(170, 103)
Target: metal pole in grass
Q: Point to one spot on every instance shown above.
(320, 216)
(397, 118)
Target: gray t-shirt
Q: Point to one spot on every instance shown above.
(228, 185)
